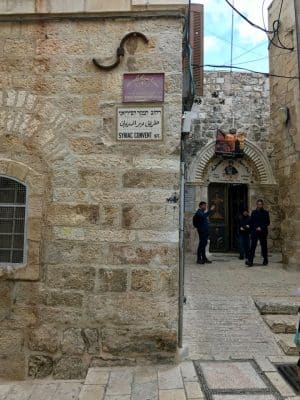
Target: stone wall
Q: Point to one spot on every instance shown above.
(239, 100)
(286, 133)
(100, 285)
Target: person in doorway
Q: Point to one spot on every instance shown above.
(244, 234)
(259, 222)
(200, 221)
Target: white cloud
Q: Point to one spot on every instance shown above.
(211, 43)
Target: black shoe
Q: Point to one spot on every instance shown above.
(265, 262)
(207, 261)
(249, 264)
(241, 258)
(200, 262)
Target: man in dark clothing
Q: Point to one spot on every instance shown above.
(244, 235)
(200, 222)
(259, 222)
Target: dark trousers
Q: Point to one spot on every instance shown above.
(262, 237)
(203, 238)
(244, 246)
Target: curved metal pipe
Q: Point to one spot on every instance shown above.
(120, 51)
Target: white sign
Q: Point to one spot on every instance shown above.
(139, 123)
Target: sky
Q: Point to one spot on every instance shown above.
(250, 45)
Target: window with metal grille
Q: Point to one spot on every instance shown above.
(12, 221)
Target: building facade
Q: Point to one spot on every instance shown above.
(285, 117)
(89, 213)
(240, 101)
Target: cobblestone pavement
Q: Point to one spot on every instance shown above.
(232, 354)
(220, 317)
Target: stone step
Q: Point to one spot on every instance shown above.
(281, 323)
(278, 305)
(286, 342)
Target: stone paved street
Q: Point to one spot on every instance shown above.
(220, 317)
(232, 353)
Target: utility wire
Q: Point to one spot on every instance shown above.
(248, 20)
(246, 69)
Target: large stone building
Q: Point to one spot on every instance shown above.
(241, 101)
(89, 219)
(285, 117)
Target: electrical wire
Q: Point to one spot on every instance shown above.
(248, 20)
(246, 69)
(275, 27)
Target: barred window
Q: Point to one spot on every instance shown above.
(12, 221)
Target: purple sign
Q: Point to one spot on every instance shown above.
(143, 87)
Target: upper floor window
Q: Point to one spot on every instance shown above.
(12, 221)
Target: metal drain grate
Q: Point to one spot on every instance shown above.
(289, 372)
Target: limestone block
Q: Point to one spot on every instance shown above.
(27, 293)
(112, 280)
(116, 341)
(132, 307)
(70, 277)
(150, 178)
(110, 216)
(104, 179)
(91, 338)
(70, 368)
(18, 317)
(148, 217)
(73, 342)
(113, 5)
(168, 282)
(56, 6)
(143, 280)
(15, 7)
(55, 298)
(55, 315)
(147, 253)
(79, 215)
(11, 341)
(40, 366)
(68, 252)
(12, 366)
(45, 338)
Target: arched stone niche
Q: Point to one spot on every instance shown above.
(254, 169)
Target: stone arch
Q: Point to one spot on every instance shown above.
(262, 164)
(37, 121)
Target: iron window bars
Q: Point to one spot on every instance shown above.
(12, 221)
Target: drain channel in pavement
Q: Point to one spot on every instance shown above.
(289, 373)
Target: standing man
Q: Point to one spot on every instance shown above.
(200, 221)
(259, 222)
(244, 235)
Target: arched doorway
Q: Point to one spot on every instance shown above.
(231, 184)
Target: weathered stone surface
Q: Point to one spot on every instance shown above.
(118, 341)
(58, 134)
(12, 366)
(73, 342)
(277, 305)
(143, 280)
(112, 280)
(79, 215)
(150, 178)
(91, 338)
(40, 366)
(286, 342)
(135, 216)
(69, 368)
(281, 323)
(71, 277)
(45, 338)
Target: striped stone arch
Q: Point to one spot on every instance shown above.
(31, 117)
(254, 153)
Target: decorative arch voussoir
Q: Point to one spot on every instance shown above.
(261, 162)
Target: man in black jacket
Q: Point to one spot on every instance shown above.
(244, 234)
(259, 222)
(200, 221)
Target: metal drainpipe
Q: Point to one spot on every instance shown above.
(181, 248)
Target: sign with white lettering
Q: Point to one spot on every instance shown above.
(139, 123)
